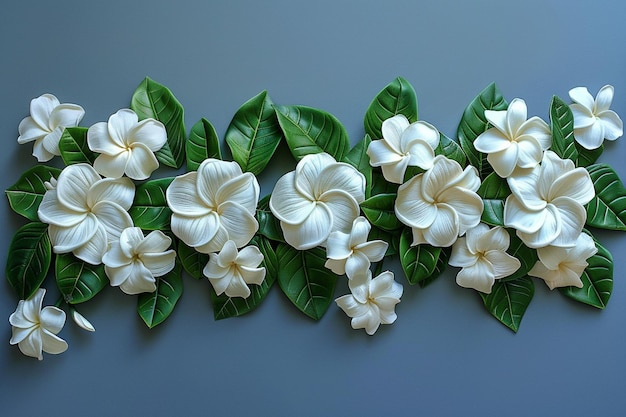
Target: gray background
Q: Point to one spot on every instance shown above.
(445, 355)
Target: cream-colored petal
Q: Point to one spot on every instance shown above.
(155, 242)
(473, 236)
(141, 162)
(603, 99)
(287, 203)
(394, 173)
(575, 184)
(370, 321)
(228, 254)
(32, 345)
(217, 243)
(344, 209)
(479, 276)
(612, 124)
(497, 118)
(445, 229)
(338, 246)
(213, 269)
(530, 151)
(112, 166)
(411, 208)
(41, 108)
(582, 96)
(492, 140)
(195, 231)
(351, 306)
(381, 153)
(150, 133)
(502, 263)
(418, 236)
(583, 117)
(519, 217)
(341, 176)
(504, 162)
(129, 241)
(444, 172)
(358, 261)
(52, 319)
(384, 286)
(68, 239)
(392, 130)
(66, 115)
(493, 239)
(572, 217)
(526, 189)
(139, 281)
(30, 131)
(584, 249)
(516, 115)
(120, 191)
(120, 124)
(212, 174)
(467, 204)
(551, 257)
(374, 250)
(308, 172)
(115, 257)
(547, 233)
(461, 255)
(538, 129)
(221, 282)
(565, 278)
(51, 211)
(50, 142)
(420, 154)
(338, 266)
(539, 270)
(237, 287)
(93, 250)
(159, 264)
(73, 185)
(467, 179)
(99, 140)
(312, 232)
(243, 189)
(18, 319)
(250, 257)
(421, 131)
(253, 276)
(19, 334)
(81, 321)
(182, 198)
(40, 152)
(240, 224)
(113, 217)
(590, 137)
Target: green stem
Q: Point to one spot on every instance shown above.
(60, 301)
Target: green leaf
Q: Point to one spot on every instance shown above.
(494, 191)
(473, 123)
(304, 279)
(451, 150)
(203, 143)
(380, 185)
(562, 120)
(419, 261)
(26, 194)
(309, 130)
(358, 158)
(379, 210)
(192, 261)
(269, 225)
(225, 307)
(29, 258)
(442, 262)
(587, 157)
(392, 238)
(78, 281)
(150, 210)
(398, 97)
(607, 210)
(156, 306)
(508, 300)
(74, 148)
(527, 256)
(254, 134)
(153, 100)
(597, 280)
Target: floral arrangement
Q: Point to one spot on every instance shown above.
(510, 201)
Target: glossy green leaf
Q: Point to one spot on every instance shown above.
(607, 210)
(380, 185)
(157, 306)
(203, 143)
(225, 307)
(309, 130)
(508, 300)
(304, 279)
(398, 97)
(358, 158)
(494, 191)
(150, 210)
(254, 134)
(380, 211)
(419, 261)
(392, 238)
(74, 148)
(473, 123)
(153, 100)
(451, 150)
(192, 261)
(562, 121)
(26, 194)
(269, 225)
(29, 259)
(527, 256)
(77, 280)
(440, 266)
(587, 157)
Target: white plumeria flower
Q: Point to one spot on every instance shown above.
(593, 121)
(81, 321)
(372, 301)
(213, 205)
(546, 204)
(403, 145)
(126, 145)
(230, 270)
(513, 141)
(482, 255)
(48, 117)
(321, 196)
(563, 267)
(349, 253)
(35, 329)
(86, 213)
(134, 261)
(441, 204)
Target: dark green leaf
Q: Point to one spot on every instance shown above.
(153, 100)
(29, 258)
(419, 261)
(358, 158)
(392, 238)
(77, 280)
(193, 261)
(150, 210)
(156, 306)
(450, 149)
(607, 210)
(509, 299)
(526, 256)
(203, 143)
(26, 194)
(380, 185)
(562, 121)
(587, 157)
(494, 191)
(74, 148)
(442, 262)
(309, 130)
(398, 97)
(269, 225)
(379, 210)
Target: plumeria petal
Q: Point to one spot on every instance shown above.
(492, 140)
(374, 250)
(341, 176)
(308, 172)
(32, 345)
(394, 173)
(52, 318)
(149, 132)
(603, 99)
(182, 198)
(73, 185)
(120, 191)
(445, 229)
(120, 124)
(243, 190)
(479, 276)
(50, 142)
(68, 239)
(582, 96)
(250, 257)
(461, 255)
(112, 166)
(575, 184)
(412, 207)
(40, 152)
(237, 287)
(538, 129)
(495, 239)
(338, 245)
(195, 231)
(572, 218)
(115, 257)
(421, 154)
(516, 115)
(139, 281)
(467, 205)
(497, 118)
(252, 275)
(312, 232)
(66, 115)
(392, 129)
(81, 321)
(113, 217)
(129, 241)
(419, 131)
(519, 217)
(212, 174)
(141, 162)
(156, 241)
(502, 263)
(228, 255)
(529, 151)
(612, 124)
(547, 233)
(239, 223)
(590, 137)
(98, 140)
(289, 205)
(504, 162)
(29, 131)
(93, 250)
(41, 108)
(159, 264)
(344, 208)
(439, 177)
(381, 154)
(358, 261)
(583, 117)
(51, 211)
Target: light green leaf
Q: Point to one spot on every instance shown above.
(380, 211)
(562, 121)
(153, 100)
(451, 150)
(77, 280)
(309, 130)
(508, 300)
(494, 191)
(254, 134)
(150, 210)
(74, 148)
(193, 261)
(358, 158)
(29, 258)
(398, 97)
(304, 279)
(203, 143)
(527, 256)
(607, 210)
(419, 261)
(269, 225)
(155, 307)
(26, 194)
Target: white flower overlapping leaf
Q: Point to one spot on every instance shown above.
(213, 205)
(441, 204)
(593, 121)
(321, 196)
(513, 141)
(35, 329)
(546, 204)
(230, 271)
(48, 118)
(403, 144)
(134, 261)
(562, 267)
(85, 212)
(126, 145)
(482, 255)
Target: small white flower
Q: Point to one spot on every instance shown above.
(86, 213)
(372, 301)
(45, 125)
(513, 141)
(482, 255)
(546, 204)
(81, 321)
(563, 267)
(126, 145)
(230, 271)
(35, 329)
(403, 145)
(134, 261)
(593, 121)
(318, 198)
(349, 253)
(441, 204)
